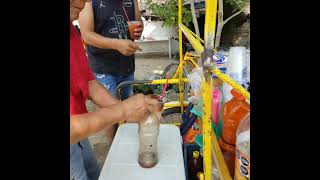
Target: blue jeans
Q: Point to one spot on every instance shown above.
(83, 164)
(110, 82)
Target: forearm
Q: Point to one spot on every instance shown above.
(99, 41)
(99, 95)
(84, 125)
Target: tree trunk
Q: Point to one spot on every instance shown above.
(219, 24)
(194, 18)
(218, 35)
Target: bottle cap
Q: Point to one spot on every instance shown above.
(195, 154)
(237, 95)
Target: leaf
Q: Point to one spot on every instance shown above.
(169, 12)
(238, 4)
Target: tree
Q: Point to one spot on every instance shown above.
(168, 12)
(239, 6)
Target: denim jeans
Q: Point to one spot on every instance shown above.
(83, 164)
(110, 82)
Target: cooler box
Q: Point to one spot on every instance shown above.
(122, 160)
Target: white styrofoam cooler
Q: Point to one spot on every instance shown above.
(122, 160)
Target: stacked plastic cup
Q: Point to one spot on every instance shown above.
(237, 69)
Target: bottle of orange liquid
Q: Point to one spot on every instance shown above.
(191, 134)
(233, 112)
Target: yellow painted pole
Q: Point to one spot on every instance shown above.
(181, 84)
(210, 23)
(207, 64)
(170, 81)
(231, 82)
(207, 131)
(193, 41)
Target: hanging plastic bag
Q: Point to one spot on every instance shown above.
(195, 80)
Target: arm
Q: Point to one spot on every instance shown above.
(133, 109)
(86, 22)
(84, 125)
(99, 95)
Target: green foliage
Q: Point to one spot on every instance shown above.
(169, 12)
(238, 4)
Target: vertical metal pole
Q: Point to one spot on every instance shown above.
(181, 83)
(209, 34)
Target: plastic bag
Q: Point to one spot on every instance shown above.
(195, 79)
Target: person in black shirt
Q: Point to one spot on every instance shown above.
(110, 50)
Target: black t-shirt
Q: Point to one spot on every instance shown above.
(110, 21)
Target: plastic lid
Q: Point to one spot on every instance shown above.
(195, 127)
(195, 154)
(237, 95)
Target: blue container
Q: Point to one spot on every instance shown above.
(187, 153)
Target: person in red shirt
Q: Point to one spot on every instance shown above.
(83, 165)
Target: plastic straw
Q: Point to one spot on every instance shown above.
(125, 12)
(165, 87)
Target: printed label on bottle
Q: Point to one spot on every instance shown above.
(242, 170)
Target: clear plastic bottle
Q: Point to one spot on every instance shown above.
(148, 136)
(214, 171)
(242, 164)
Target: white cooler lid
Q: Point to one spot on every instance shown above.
(122, 160)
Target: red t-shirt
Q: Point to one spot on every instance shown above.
(80, 74)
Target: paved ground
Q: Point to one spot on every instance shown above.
(145, 67)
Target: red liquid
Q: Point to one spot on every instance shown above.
(133, 25)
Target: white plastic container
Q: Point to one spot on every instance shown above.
(122, 160)
(237, 69)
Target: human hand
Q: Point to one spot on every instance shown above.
(138, 32)
(138, 107)
(126, 47)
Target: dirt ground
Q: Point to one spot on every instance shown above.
(145, 67)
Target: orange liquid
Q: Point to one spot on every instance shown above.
(233, 112)
(191, 135)
(229, 154)
(133, 25)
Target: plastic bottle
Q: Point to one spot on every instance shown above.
(200, 176)
(195, 80)
(195, 165)
(237, 69)
(233, 112)
(215, 107)
(191, 134)
(242, 171)
(148, 136)
(214, 170)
